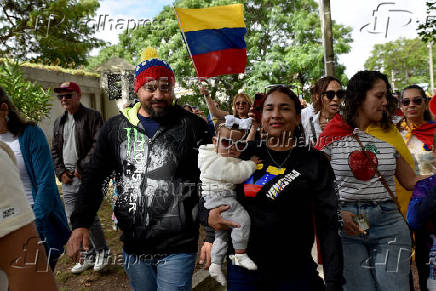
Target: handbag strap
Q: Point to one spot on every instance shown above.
(312, 127)
(379, 175)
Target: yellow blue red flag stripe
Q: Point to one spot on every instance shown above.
(215, 38)
(230, 16)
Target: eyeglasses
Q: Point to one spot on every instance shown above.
(330, 94)
(227, 143)
(416, 101)
(66, 96)
(241, 103)
(163, 86)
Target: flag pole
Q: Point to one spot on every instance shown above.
(184, 38)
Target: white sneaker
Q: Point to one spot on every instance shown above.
(244, 261)
(216, 273)
(80, 267)
(101, 260)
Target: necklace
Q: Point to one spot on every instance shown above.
(275, 162)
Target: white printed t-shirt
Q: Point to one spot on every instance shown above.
(356, 179)
(15, 211)
(423, 157)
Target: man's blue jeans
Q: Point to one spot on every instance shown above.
(160, 272)
(379, 260)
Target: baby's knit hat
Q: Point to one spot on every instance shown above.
(151, 68)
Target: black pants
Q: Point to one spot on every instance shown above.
(240, 279)
(423, 246)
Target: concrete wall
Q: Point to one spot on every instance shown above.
(90, 87)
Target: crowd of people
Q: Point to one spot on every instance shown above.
(266, 181)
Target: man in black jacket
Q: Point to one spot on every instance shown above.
(75, 133)
(152, 147)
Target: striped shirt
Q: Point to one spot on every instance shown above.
(355, 174)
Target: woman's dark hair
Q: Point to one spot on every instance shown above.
(317, 90)
(299, 131)
(16, 124)
(427, 115)
(286, 90)
(357, 88)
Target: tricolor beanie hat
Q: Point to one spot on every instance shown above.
(151, 68)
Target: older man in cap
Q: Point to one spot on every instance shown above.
(153, 149)
(75, 132)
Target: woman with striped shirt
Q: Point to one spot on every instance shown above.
(366, 153)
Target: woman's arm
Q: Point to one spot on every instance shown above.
(254, 125)
(43, 171)
(25, 270)
(218, 113)
(406, 175)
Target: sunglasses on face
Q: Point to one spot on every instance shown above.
(66, 96)
(416, 101)
(227, 143)
(241, 103)
(330, 94)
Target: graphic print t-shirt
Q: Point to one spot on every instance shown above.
(267, 170)
(355, 174)
(15, 211)
(422, 154)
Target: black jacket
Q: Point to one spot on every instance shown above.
(157, 206)
(88, 123)
(282, 229)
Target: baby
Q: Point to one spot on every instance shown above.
(221, 170)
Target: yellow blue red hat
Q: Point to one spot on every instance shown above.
(151, 68)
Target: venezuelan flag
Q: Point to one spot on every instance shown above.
(215, 39)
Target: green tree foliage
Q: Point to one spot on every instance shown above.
(51, 32)
(283, 45)
(405, 59)
(30, 98)
(427, 29)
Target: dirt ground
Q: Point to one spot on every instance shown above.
(113, 276)
(110, 278)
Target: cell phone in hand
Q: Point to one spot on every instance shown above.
(362, 222)
(257, 106)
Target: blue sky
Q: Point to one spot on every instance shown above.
(400, 14)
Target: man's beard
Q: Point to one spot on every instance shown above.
(157, 114)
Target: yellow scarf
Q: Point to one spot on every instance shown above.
(394, 138)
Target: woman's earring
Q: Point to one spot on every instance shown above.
(7, 119)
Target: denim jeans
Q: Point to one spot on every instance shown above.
(96, 234)
(379, 260)
(160, 272)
